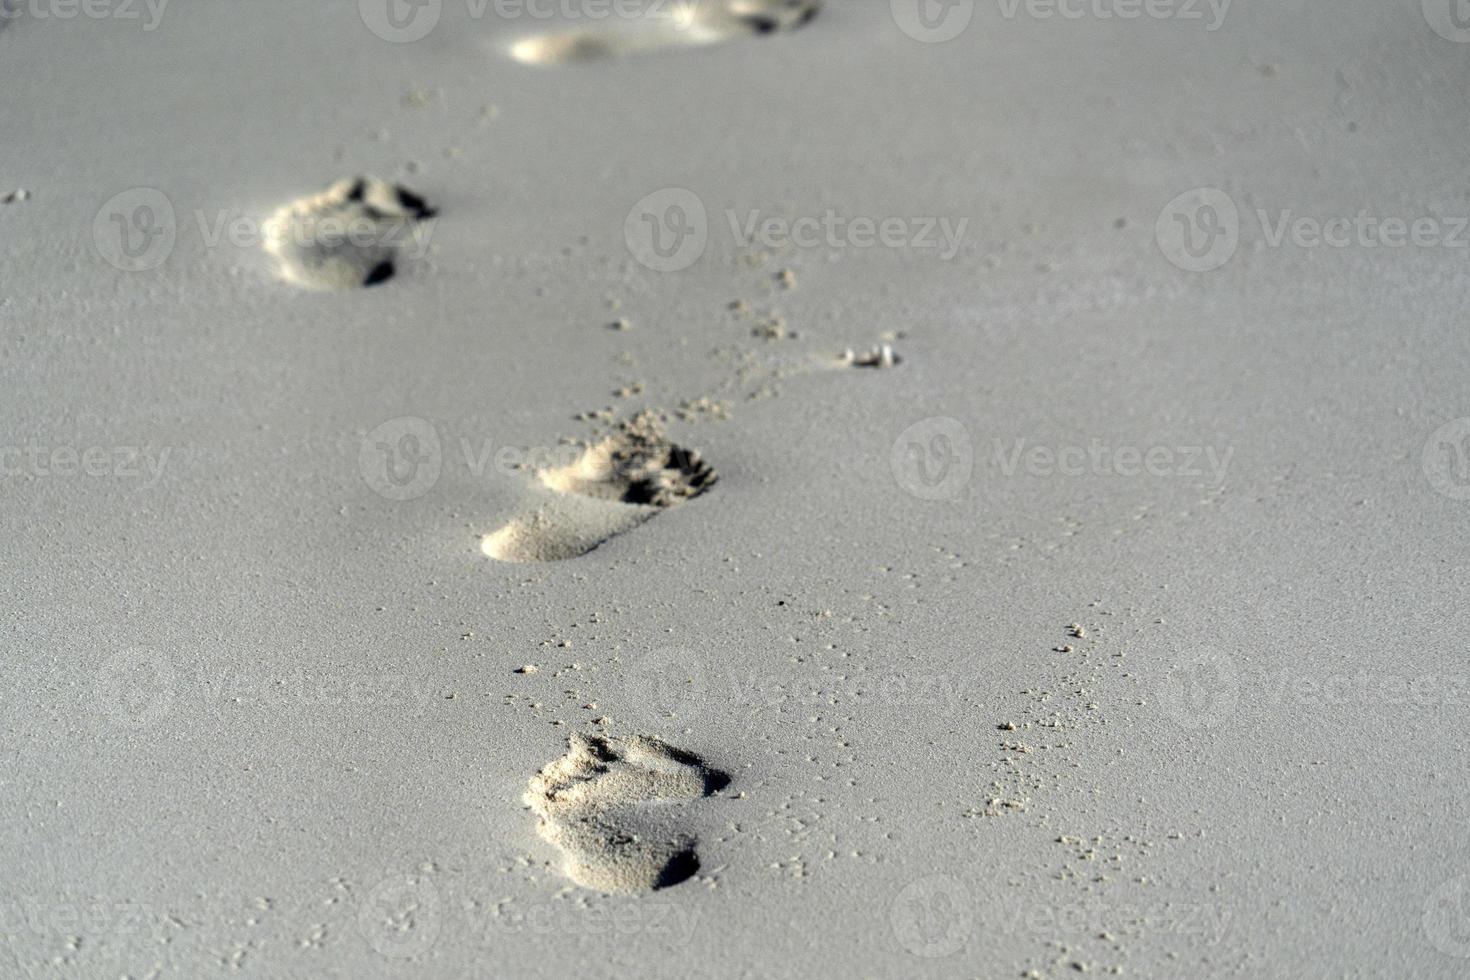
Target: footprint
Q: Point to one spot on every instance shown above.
(349, 235)
(881, 356)
(614, 486)
(617, 810)
(683, 23)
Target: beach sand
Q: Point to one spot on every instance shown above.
(1113, 620)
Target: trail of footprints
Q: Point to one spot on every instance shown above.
(622, 812)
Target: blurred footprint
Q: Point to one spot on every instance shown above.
(680, 24)
(349, 235)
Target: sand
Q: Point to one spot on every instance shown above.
(1159, 372)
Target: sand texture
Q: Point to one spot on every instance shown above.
(746, 489)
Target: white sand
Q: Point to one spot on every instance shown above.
(260, 709)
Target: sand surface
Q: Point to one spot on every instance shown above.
(1116, 621)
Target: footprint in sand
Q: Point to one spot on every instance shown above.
(681, 24)
(614, 486)
(618, 811)
(349, 235)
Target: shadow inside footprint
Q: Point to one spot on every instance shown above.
(682, 24)
(614, 486)
(680, 868)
